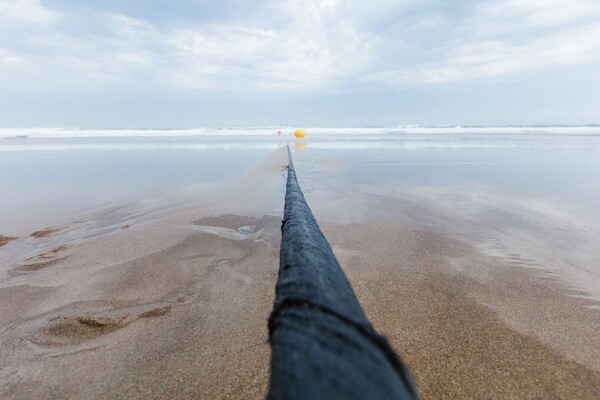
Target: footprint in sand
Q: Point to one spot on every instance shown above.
(6, 239)
(45, 232)
(65, 330)
(42, 260)
(32, 267)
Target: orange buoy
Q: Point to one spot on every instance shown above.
(299, 133)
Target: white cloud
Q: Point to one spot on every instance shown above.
(297, 45)
(28, 11)
(493, 17)
(487, 46)
(9, 58)
(476, 60)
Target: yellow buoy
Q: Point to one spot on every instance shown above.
(299, 133)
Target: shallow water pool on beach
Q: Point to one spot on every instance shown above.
(70, 178)
(541, 183)
(527, 199)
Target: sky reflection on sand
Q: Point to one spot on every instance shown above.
(535, 207)
(540, 184)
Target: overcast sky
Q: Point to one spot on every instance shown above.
(189, 63)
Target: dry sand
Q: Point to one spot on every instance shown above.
(176, 305)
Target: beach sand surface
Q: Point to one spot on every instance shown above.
(165, 298)
(170, 298)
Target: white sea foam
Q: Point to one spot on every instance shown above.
(137, 146)
(271, 131)
(403, 137)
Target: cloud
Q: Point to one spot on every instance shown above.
(504, 37)
(295, 45)
(311, 50)
(495, 17)
(24, 11)
(483, 59)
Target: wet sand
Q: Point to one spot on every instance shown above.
(455, 346)
(160, 299)
(186, 321)
(5, 239)
(176, 304)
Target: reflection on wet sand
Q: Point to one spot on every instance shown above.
(479, 265)
(472, 280)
